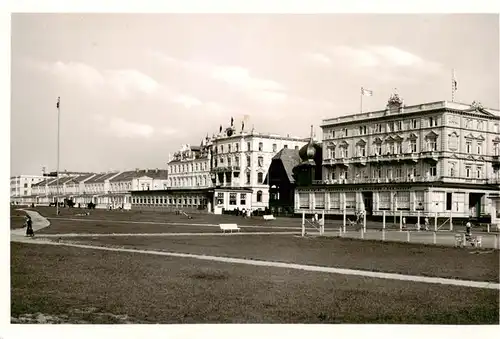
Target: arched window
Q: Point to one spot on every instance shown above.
(259, 196)
(261, 146)
(260, 178)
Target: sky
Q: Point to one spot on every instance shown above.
(135, 87)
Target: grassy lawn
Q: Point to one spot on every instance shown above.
(17, 218)
(164, 216)
(126, 287)
(58, 226)
(405, 258)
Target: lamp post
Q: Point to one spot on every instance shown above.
(58, 136)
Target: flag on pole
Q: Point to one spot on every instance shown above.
(58, 100)
(454, 81)
(366, 92)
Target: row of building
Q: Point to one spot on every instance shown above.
(433, 158)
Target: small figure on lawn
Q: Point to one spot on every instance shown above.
(426, 223)
(404, 222)
(468, 229)
(29, 227)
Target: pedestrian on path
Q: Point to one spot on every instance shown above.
(29, 227)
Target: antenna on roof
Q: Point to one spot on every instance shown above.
(312, 132)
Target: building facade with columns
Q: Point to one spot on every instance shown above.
(22, 187)
(240, 160)
(436, 158)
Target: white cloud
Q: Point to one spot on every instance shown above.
(187, 101)
(264, 90)
(239, 76)
(318, 58)
(169, 131)
(122, 82)
(380, 56)
(126, 129)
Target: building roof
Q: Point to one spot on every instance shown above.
(81, 178)
(44, 182)
(101, 177)
(62, 180)
(130, 175)
(289, 158)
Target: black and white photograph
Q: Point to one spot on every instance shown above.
(254, 168)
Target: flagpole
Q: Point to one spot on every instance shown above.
(361, 99)
(58, 137)
(453, 85)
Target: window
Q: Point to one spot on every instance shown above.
(260, 178)
(261, 146)
(468, 123)
(362, 130)
(378, 128)
(480, 125)
(221, 160)
(229, 161)
(378, 149)
(433, 122)
(303, 200)
(25, 185)
(333, 134)
(399, 125)
(413, 123)
(222, 148)
(468, 147)
(296, 148)
(285, 146)
(468, 171)
(220, 198)
(496, 149)
(232, 198)
(243, 198)
(248, 178)
(344, 152)
(344, 132)
(248, 161)
(362, 150)
(479, 172)
(413, 146)
(319, 200)
(249, 148)
(237, 160)
(390, 126)
(479, 148)
(399, 148)
(229, 148)
(260, 161)
(433, 171)
(259, 196)
(275, 147)
(431, 145)
(236, 147)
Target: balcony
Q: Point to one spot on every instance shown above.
(220, 169)
(369, 180)
(431, 156)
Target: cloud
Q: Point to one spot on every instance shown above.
(187, 101)
(318, 58)
(123, 82)
(126, 129)
(377, 56)
(240, 78)
(169, 131)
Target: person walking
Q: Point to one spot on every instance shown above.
(29, 227)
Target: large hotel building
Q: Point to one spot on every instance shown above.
(433, 158)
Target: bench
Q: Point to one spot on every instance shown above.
(462, 240)
(229, 227)
(269, 217)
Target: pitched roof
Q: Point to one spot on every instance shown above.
(81, 178)
(44, 182)
(101, 177)
(62, 180)
(289, 158)
(130, 175)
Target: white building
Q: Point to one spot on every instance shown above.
(439, 158)
(21, 188)
(241, 159)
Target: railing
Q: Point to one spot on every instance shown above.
(368, 180)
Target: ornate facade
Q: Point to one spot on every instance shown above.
(440, 157)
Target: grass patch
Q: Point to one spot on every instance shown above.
(53, 280)
(404, 258)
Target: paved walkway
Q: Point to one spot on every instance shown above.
(40, 222)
